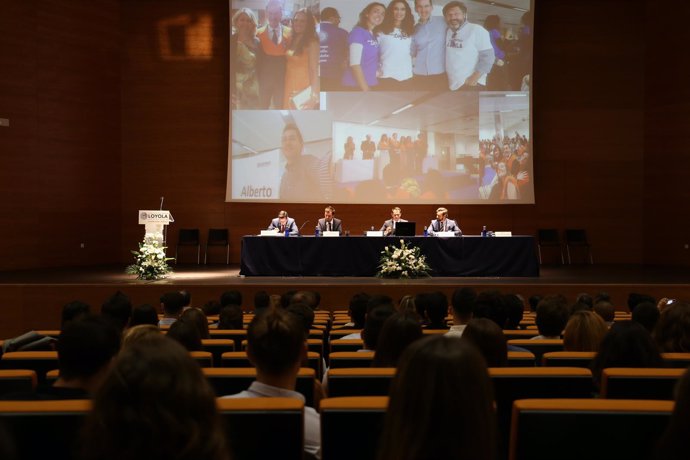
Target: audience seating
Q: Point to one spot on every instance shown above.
(203, 358)
(513, 334)
(218, 237)
(344, 359)
(188, 237)
(568, 358)
(237, 335)
(55, 333)
(217, 347)
(38, 361)
(338, 334)
(17, 381)
(264, 428)
(639, 383)
(676, 359)
(315, 345)
(346, 345)
(521, 359)
(351, 427)
(370, 381)
(240, 359)
(232, 380)
(592, 429)
(538, 347)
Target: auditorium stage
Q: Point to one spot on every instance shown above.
(31, 299)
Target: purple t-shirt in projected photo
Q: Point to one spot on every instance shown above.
(370, 57)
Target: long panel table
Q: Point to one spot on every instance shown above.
(359, 255)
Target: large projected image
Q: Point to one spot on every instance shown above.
(358, 102)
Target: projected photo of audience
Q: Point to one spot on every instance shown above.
(274, 55)
(425, 45)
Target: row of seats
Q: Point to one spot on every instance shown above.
(569, 429)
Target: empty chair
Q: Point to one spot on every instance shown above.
(360, 381)
(549, 238)
(676, 359)
(577, 237)
(217, 347)
(521, 359)
(203, 358)
(345, 359)
(595, 429)
(568, 359)
(17, 381)
(346, 345)
(229, 381)
(218, 237)
(639, 383)
(39, 361)
(237, 335)
(351, 427)
(188, 237)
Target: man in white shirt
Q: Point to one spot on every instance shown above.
(469, 53)
(463, 310)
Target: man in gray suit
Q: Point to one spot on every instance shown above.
(330, 223)
(283, 222)
(389, 225)
(443, 224)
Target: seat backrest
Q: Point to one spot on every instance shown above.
(232, 380)
(367, 381)
(521, 359)
(238, 335)
(576, 236)
(676, 359)
(188, 236)
(568, 358)
(17, 381)
(38, 361)
(351, 427)
(511, 334)
(343, 359)
(597, 429)
(217, 236)
(548, 236)
(346, 345)
(259, 428)
(639, 383)
(217, 347)
(538, 347)
(203, 358)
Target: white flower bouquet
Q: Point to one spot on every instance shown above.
(150, 261)
(405, 261)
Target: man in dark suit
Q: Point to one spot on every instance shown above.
(330, 223)
(389, 225)
(283, 222)
(443, 224)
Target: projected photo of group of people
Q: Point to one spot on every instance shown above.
(365, 102)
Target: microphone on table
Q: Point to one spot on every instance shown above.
(299, 231)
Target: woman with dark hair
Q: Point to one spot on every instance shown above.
(489, 340)
(302, 63)
(584, 332)
(675, 443)
(197, 317)
(431, 414)
(399, 331)
(245, 55)
(395, 45)
(672, 331)
(155, 404)
(186, 333)
(364, 49)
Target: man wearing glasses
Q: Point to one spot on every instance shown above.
(469, 54)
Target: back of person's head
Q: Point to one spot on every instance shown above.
(374, 324)
(420, 301)
(117, 309)
(139, 333)
(647, 314)
(86, 346)
(305, 315)
(262, 302)
(173, 303)
(672, 332)
(407, 305)
(552, 316)
(586, 299)
(231, 317)
(463, 303)
(154, 404)
(379, 300)
(437, 310)
(187, 297)
(584, 331)
(491, 305)
(489, 340)
(232, 297)
(197, 317)
(675, 443)
(634, 299)
(578, 306)
(602, 297)
(211, 308)
(515, 311)
(533, 302)
(275, 342)
(398, 331)
(286, 298)
(144, 314)
(627, 344)
(305, 297)
(606, 310)
(186, 333)
(425, 397)
(73, 310)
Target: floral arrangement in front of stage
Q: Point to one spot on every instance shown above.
(405, 261)
(150, 261)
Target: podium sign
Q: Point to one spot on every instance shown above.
(154, 221)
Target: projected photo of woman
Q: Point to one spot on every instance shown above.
(364, 50)
(302, 63)
(245, 52)
(395, 42)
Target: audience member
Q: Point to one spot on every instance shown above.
(407, 305)
(515, 310)
(489, 340)
(463, 308)
(262, 302)
(398, 331)
(533, 302)
(171, 304)
(286, 298)
(634, 299)
(584, 332)
(491, 305)
(305, 314)
(144, 314)
(187, 299)
(211, 308)
(586, 299)
(232, 297)
(675, 443)
(552, 316)
(672, 332)
(606, 310)
(138, 333)
(602, 297)
(231, 317)
(306, 297)
(436, 308)
(73, 310)
(647, 314)
(197, 318)
(117, 309)
(372, 328)
(186, 333)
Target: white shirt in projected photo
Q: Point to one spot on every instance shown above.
(464, 48)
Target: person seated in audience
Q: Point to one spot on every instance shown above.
(606, 310)
(435, 418)
(262, 302)
(372, 328)
(463, 308)
(139, 332)
(647, 314)
(407, 304)
(286, 298)
(73, 310)
(276, 347)
(533, 302)
(515, 310)
(357, 310)
(634, 299)
(186, 333)
(491, 304)
(552, 316)
(584, 332)
(675, 442)
(305, 315)
(187, 296)
(672, 332)
(489, 340)
(398, 331)
(118, 310)
(307, 297)
(231, 317)
(578, 306)
(211, 308)
(602, 297)
(585, 299)
(436, 308)
(154, 404)
(627, 344)
(196, 317)
(232, 297)
(171, 304)
(144, 314)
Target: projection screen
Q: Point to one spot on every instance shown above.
(348, 101)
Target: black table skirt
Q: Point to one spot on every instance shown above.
(359, 255)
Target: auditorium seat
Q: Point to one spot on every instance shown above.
(338, 334)
(315, 345)
(592, 429)
(676, 359)
(203, 358)
(17, 381)
(38, 361)
(360, 381)
(351, 427)
(217, 347)
(264, 428)
(346, 345)
(639, 383)
(238, 335)
(512, 334)
(538, 347)
(345, 359)
(231, 380)
(568, 358)
(240, 359)
(521, 359)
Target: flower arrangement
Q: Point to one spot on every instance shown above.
(150, 261)
(405, 261)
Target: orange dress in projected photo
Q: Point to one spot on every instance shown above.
(297, 76)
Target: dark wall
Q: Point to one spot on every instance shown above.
(147, 117)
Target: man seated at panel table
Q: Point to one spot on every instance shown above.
(388, 227)
(443, 224)
(330, 223)
(283, 222)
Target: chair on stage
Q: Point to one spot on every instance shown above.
(218, 237)
(548, 237)
(577, 238)
(188, 237)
